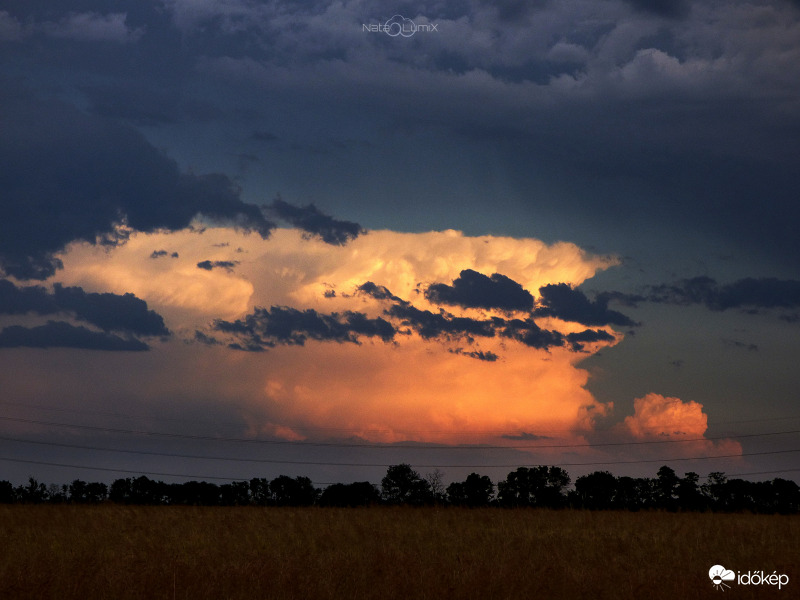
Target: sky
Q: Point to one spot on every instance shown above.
(245, 238)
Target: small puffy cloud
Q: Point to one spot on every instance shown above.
(657, 416)
(475, 290)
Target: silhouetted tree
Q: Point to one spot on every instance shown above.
(714, 490)
(436, 482)
(259, 492)
(360, 493)
(7, 494)
(536, 486)
(120, 491)
(689, 494)
(785, 496)
(476, 490)
(236, 493)
(77, 491)
(33, 493)
(667, 488)
(293, 492)
(57, 494)
(194, 493)
(403, 485)
(596, 490)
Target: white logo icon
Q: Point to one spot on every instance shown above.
(400, 25)
(719, 575)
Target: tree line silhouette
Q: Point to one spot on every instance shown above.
(540, 486)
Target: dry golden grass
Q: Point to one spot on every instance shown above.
(119, 552)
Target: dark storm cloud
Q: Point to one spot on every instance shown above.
(379, 292)
(563, 302)
(146, 104)
(70, 176)
(475, 290)
(513, 11)
(206, 339)
(57, 334)
(477, 354)
(311, 220)
(530, 334)
(674, 9)
(110, 312)
(748, 294)
(264, 328)
(588, 336)
(442, 324)
(208, 265)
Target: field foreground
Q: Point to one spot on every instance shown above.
(112, 551)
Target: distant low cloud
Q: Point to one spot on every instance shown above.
(765, 292)
(475, 290)
(58, 334)
(525, 437)
(314, 222)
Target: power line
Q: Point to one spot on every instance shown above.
(341, 464)
(339, 429)
(203, 477)
(383, 446)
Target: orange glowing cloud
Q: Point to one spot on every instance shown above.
(657, 417)
(449, 389)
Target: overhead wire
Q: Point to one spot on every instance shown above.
(338, 429)
(415, 446)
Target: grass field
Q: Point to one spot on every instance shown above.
(112, 551)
